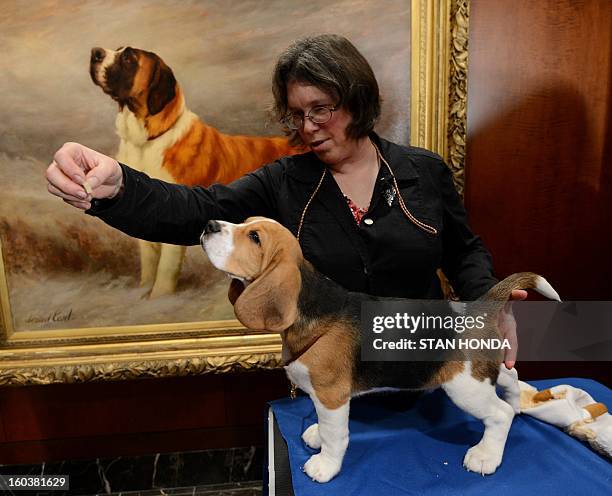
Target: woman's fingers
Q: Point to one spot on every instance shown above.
(518, 294)
(83, 205)
(74, 160)
(79, 193)
(507, 326)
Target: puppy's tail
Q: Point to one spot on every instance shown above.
(523, 280)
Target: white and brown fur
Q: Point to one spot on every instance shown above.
(161, 137)
(275, 289)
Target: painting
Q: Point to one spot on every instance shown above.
(72, 306)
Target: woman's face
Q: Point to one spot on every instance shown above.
(328, 140)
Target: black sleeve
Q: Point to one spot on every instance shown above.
(155, 210)
(465, 260)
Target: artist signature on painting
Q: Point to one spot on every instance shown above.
(58, 316)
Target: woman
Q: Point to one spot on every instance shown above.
(374, 216)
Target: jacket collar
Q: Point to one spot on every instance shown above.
(308, 168)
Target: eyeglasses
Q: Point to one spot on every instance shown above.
(319, 115)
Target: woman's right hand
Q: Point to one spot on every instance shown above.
(79, 174)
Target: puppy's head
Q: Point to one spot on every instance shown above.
(263, 259)
(134, 78)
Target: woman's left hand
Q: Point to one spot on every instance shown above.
(507, 327)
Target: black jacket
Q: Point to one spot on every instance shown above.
(389, 257)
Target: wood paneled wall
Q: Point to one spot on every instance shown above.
(538, 152)
(539, 148)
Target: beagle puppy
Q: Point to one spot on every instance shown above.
(274, 288)
(161, 137)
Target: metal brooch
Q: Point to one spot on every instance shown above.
(389, 195)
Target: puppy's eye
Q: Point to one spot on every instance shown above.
(254, 237)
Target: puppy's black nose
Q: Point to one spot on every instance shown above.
(212, 226)
(97, 54)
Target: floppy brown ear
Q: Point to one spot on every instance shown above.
(162, 87)
(236, 288)
(270, 302)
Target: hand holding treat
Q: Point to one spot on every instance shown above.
(79, 174)
(507, 325)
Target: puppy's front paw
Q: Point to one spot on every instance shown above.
(311, 436)
(321, 468)
(482, 460)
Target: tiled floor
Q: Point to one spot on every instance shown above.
(230, 472)
(232, 489)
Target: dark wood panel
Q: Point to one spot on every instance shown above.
(246, 403)
(2, 429)
(56, 422)
(538, 123)
(80, 410)
(145, 443)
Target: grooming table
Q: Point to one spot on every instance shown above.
(419, 450)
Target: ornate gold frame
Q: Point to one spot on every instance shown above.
(439, 80)
(437, 119)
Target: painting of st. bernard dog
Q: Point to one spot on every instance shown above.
(162, 138)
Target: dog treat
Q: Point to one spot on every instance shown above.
(543, 395)
(87, 187)
(596, 409)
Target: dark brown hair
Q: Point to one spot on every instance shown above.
(333, 64)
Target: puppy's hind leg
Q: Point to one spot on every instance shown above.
(479, 398)
(311, 436)
(333, 435)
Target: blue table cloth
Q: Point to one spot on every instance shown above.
(421, 450)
